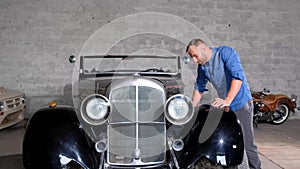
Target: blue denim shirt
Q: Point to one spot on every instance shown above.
(223, 67)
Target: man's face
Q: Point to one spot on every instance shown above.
(197, 53)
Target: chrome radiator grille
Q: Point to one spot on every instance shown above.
(136, 130)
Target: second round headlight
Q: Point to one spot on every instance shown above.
(179, 109)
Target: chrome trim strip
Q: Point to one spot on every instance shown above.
(153, 165)
(140, 122)
(137, 116)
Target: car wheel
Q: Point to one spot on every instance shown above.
(204, 163)
(281, 114)
(72, 165)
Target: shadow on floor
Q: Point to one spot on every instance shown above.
(11, 162)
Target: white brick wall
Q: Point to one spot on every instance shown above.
(38, 36)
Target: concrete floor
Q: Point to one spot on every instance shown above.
(279, 145)
(11, 147)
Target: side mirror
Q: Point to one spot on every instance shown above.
(186, 59)
(72, 59)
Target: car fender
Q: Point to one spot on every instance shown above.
(53, 135)
(224, 146)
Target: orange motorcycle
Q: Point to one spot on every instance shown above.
(274, 108)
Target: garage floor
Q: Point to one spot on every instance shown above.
(11, 162)
(11, 147)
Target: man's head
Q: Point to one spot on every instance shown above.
(199, 51)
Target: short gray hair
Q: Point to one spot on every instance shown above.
(194, 42)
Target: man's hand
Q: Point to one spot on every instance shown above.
(220, 103)
(225, 103)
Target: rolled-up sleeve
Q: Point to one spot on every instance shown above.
(200, 84)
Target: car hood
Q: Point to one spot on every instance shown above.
(8, 93)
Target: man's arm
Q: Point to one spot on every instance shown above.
(233, 90)
(196, 97)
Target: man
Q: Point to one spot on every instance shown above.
(222, 67)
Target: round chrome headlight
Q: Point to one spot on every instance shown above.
(95, 109)
(179, 109)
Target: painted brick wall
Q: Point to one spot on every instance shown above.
(37, 36)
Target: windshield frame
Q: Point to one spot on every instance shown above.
(84, 74)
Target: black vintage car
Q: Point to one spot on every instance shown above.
(132, 116)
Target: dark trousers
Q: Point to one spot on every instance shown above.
(245, 116)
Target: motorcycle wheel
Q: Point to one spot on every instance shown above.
(281, 115)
